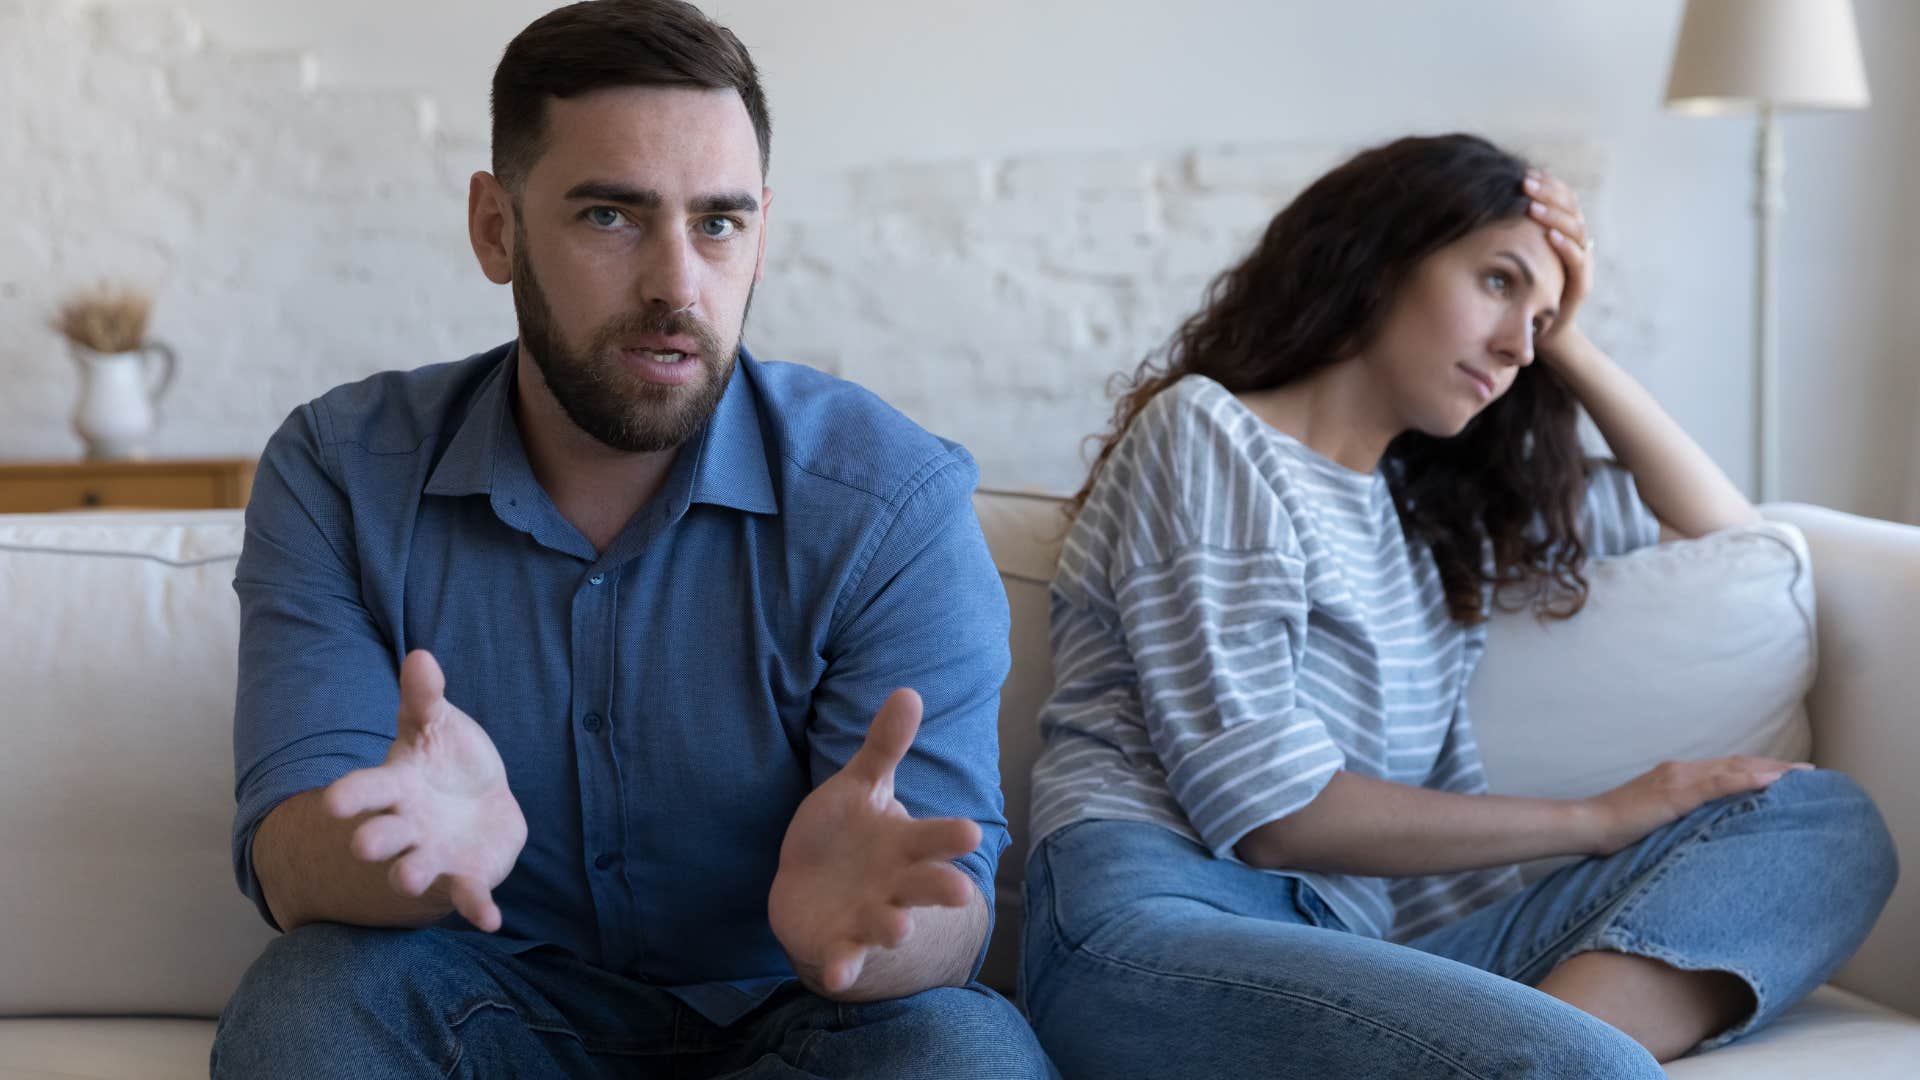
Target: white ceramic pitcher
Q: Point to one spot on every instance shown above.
(119, 393)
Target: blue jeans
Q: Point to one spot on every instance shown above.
(339, 1001)
(1147, 957)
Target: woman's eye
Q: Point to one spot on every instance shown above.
(604, 216)
(718, 228)
(1499, 281)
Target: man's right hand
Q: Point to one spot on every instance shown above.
(439, 806)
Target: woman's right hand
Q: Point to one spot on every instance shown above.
(1672, 790)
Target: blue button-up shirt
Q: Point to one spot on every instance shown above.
(662, 707)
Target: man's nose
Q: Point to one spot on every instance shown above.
(671, 276)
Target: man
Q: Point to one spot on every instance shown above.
(557, 663)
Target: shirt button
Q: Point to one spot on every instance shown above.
(591, 721)
(596, 579)
(604, 861)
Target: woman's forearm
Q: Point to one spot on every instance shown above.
(1679, 482)
(1360, 825)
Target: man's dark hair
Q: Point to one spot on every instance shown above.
(601, 43)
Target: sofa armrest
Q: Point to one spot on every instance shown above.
(1865, 710)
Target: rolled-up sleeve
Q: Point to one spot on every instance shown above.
(927, 612)
(317, 687)
(1216, 636)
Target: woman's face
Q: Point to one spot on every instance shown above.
(1463, 325)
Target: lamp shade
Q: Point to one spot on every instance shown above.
(1782, 53)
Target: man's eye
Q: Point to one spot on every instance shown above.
(718, 228)
(604, 216)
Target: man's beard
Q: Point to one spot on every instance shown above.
(599, 395)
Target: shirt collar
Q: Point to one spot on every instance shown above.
(730, 453)
(467, 467)
(732, 468)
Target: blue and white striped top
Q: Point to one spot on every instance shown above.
(1236, 618)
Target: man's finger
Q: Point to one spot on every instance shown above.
(881, 926)
(381, 838)
(422, 687)
(410, 875)
(933, 885)
(361, 791)
(842, 968)
(474, 903)
(888, 738)
(941, 838)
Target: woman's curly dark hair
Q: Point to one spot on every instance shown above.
(1497, 504)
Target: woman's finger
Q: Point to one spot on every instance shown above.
(1550, 189)
(1571, 253)
(1555, 218)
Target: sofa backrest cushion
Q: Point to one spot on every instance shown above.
(1689, 649)
(117, 667)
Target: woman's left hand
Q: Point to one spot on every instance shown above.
(1557, 209)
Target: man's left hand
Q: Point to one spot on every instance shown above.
(854, 864)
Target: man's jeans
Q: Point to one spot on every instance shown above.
(338, 1001)
(1147, 957)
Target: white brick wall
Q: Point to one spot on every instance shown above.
(303, 236)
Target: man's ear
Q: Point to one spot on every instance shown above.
(490, 226)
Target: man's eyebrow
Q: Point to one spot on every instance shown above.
(608, 191)
(726, 202)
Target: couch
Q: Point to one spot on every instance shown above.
(117, 644)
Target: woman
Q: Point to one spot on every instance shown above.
(1263, 846)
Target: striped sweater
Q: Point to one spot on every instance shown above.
(1236, 618)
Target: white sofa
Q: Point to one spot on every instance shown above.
(126, 934)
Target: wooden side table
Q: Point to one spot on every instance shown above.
(40, 487)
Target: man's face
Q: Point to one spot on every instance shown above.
(638, 237)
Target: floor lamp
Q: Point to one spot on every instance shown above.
(1767, 55)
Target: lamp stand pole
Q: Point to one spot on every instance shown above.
(1770, 201)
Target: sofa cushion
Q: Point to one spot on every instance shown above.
(117, 654)
(1690, 649)
(105, 1049)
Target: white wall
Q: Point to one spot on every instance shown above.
(862, 86)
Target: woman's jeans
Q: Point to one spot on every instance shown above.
(360, 1004)
(1147, 957)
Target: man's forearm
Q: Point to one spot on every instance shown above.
(309, 873)
(940, 949)
(1360, 825)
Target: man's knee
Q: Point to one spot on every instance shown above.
(325, 987)
(970, 1030)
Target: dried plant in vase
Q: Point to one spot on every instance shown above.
(107, 318)
(123, 373)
